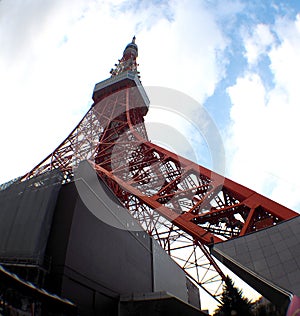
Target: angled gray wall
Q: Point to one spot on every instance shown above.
(271, 255)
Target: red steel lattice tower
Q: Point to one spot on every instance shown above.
(184, 206)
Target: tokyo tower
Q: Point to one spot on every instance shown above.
(184, 206)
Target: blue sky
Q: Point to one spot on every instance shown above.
(237, 59)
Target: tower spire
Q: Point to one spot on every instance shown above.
(128, 60)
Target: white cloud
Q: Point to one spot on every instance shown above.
(285, 63)
(265, 122)
(185, 51)
(39, 91)
(257, 43)
(53, 52)
(246, 143)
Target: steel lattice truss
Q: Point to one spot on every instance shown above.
(184, 206)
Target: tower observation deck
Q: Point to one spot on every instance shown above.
(185, 207)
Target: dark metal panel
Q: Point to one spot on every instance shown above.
(115, 258)
(105, 256)
(100, 200)
(59, 235)
(156, 304)
(80, 295)
(168, 276)
(26, 211)
(106, 260)
(89, 301)
(193, 293)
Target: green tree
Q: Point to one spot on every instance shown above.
(233, 303)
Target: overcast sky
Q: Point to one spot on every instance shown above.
(238, 59)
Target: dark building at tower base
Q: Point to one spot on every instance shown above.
(105, 266)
